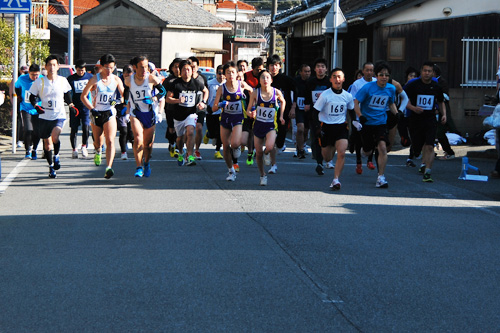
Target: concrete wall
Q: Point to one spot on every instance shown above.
(181, 41)
(463, 100)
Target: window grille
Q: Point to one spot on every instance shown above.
(480, 61)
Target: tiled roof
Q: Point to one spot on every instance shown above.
(350, 8)
(79, 6)
(179, 12)
(231, 5)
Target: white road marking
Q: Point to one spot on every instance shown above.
(12, 175)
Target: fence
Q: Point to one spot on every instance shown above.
(480, 61)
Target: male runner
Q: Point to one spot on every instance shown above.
(78, 81)
(333, 105)
(301, 120)
(28, 112)
(53, 91)
(200, 112)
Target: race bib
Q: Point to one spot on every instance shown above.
(80, 85)
(233, 108)
(336, 109)
(104, 98)
(265, 115)
(426, 102)
(301, 103)
(49, 104)
(190, 99)
(378, 102)
(315, 95)
(26, 98)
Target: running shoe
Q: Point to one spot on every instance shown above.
(335, 185)
(319, 170)
(236, 152)
(301, 154)
(447, 157)
(267, 159)
(139, 172)
(180, 160)
(409, 163)
(147, 169)
(359, 168)
(231, 177)
(109, 173)
(33, 155)
(191, 160)
(273, 169)
(57, 164)
(421, 169)
(295, 154)
(28, 155)
(176, 153)
(427, 178)
(197, 154)
(236, 167)
(52, 172)
(218, 155)
(330, 165)
(381, 182)
(171, 150)
(263, 181)
(124, 156)
(85, 152)
(74, 154)
(370, 165)
(19, 144)
(283, 148)
(205, 138)
(250, 158)
(97, 159)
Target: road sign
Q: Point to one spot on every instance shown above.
(15, 6)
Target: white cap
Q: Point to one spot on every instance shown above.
(151, 66)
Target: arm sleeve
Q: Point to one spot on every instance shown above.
(67, 97)
(33, 100)
(126, 94)
(19, 92)
(161, 91)
(403, 97)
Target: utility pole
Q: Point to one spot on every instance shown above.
(272, 42)
(70, 33)
(336, 29)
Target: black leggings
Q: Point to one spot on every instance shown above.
(85, 135)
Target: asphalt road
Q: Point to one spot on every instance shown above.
(187, 251)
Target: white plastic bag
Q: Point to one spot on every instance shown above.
(494, 119)
(455, 139)
(490, 136)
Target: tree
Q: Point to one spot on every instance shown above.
(36, 49)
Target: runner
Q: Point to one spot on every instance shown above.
(123, 118)
(185, 94)
(301, 121)
(144, 109)
(103, 113)
(251, 77)
(330, 110)
(263, 106)
(170, 135)
(370, 105)
(201, 112)
(242, 69)
(232, 97)
(367, 72)
(287, 87)
(53, 91)
(425, 95)
(78, 81)
(213, 118)
(315, 86)
(28, 112)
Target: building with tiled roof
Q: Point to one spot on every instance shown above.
(61, 7)
(161, 29)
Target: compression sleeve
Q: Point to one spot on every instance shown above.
(19, 93)
(161, 91)
(403, 97)
(126, 94)
(33, 100)
(67, 98)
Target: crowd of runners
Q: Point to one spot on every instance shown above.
(246, 106)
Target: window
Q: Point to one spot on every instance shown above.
(396, 49)
(480, 58)
(437, 50)
(363, 52)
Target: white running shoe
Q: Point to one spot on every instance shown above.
(273, 169)
(335, 185)
(267, 159)
(263, 181)
(231, 176)
(124, 156)
(381, 182)
(330, 165)
(85, 152)
(282, 149)
(74, 154)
